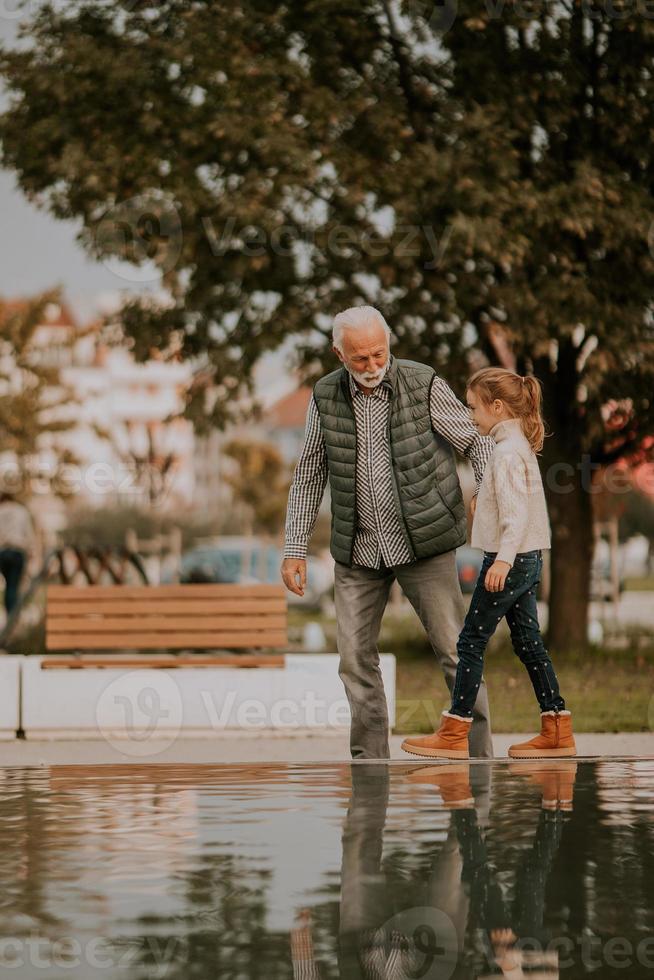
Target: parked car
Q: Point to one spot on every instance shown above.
(468, 566)
(208, 565)
(247, 561)
(601, 583)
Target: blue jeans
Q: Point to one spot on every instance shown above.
(516, 601)
(12, 562)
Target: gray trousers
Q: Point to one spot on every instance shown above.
(432, 587)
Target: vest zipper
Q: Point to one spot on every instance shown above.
(348, 400)
(398, 501)
(356, 515)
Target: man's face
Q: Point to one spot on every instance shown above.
(365, 354)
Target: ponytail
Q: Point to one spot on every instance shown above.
(522, 396)
(532, 421)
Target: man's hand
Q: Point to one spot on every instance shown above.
(294, 571)
(496, 576)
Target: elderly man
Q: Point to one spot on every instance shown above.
(383, 429)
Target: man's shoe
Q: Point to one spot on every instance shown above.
(449, 742)
(554, 742)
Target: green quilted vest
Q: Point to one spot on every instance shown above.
(425, 482)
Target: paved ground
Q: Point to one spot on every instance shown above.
(259, 747)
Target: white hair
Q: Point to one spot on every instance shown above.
(356, 318)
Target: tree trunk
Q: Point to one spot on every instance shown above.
(571, 515)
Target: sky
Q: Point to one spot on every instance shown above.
(40, 252)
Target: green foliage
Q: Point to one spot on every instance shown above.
(32, 393)
(106, 527)
(489, 187)
(637, 516)
(260, 482)
(244, 139)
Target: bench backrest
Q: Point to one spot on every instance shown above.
(177, 617)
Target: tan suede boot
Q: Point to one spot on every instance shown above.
(449, 742)
(555, 740)
(452, 782)
(555, 779)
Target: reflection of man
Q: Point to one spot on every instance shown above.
(16, 543)
(365, 900)
(397, 920)
(382, 430)
(364, 949)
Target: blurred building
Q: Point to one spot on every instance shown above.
(129, 441)
(284, 423)
(281, 425)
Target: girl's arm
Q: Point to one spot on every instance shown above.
(512, 491)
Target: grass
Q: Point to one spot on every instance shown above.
(607, 689)
(645, 584)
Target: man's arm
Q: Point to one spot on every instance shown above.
(450, 418)
(307, 488)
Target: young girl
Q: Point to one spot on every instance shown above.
(511, 526)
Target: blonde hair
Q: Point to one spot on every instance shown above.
(523, 397)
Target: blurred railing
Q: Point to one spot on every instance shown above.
(70, 565)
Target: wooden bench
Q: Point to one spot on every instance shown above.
(165, 617)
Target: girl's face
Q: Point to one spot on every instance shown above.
(485, 415)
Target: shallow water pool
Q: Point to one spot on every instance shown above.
(372, 870)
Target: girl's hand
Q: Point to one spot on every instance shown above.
(496, 576)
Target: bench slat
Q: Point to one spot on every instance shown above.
(193, 624)
(179, 660)
(143, 605)
(166, 617)
(199, 590)
(165, 639)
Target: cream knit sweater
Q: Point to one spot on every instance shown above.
(511, 514)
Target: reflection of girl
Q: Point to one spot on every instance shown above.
(518, 941)
(511, 526)
(524, 925)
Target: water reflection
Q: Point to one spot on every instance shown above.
(458, 906)
(367, 870)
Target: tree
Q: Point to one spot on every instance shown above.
(260, 482)
(143, 447)
(488, 186)
(32, 396)
(637, 517)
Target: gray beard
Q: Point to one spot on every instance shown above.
(367, 384)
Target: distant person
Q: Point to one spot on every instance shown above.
(383, 430)
(511, 526)
(16, 542)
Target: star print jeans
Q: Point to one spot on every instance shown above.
(516, 601)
